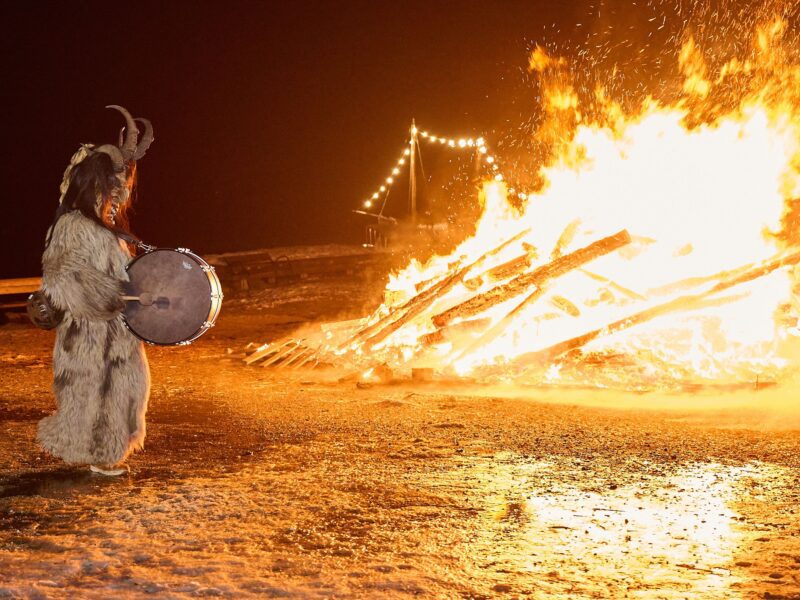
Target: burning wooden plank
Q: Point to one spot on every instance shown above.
(267, 350)
(384, 327)
(286, 350)
(427, 283)
(508, 269)
(537, 277)
(446, 333)
(682, 303)
(300, 352)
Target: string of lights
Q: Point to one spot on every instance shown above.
(387, 183)
(464, 143)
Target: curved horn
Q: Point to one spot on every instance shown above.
(129, 145)
(116, 156)
(121, 137)
(146, 140)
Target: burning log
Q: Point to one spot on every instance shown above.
(508, 269)
(682, 303)
(386, 326)
(537, 277)
(446, 333)
(438, 291)
(501, 325)
(423, 285)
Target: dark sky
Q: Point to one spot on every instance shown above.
(273, 120)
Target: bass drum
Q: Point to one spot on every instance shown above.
(174, 297)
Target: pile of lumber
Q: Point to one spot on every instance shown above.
(519, 282)
(462, 319)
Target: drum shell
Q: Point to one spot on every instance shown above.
(186, 291)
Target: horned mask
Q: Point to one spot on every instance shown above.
(128, 150)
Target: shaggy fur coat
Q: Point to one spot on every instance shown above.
(101, 378)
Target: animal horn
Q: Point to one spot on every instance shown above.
(116, 156)
(146, 140)
(128, 147)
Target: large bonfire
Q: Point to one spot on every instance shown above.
(658, 247)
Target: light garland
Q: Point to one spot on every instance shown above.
(387, 183)
(476, 144)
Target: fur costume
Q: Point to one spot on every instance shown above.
(101, 378)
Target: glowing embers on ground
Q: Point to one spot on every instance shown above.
(659, 247)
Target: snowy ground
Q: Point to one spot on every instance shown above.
(255, 483)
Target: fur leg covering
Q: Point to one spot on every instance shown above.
(101, 378)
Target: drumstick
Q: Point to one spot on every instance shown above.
(145, 299)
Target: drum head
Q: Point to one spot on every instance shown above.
(180, 291)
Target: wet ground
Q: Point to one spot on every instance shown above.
(257, 483)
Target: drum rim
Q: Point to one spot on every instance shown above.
(216, 299)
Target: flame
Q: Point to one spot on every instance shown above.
(704, 184)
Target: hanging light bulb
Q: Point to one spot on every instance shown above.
(490, 159)
(367, 203)
(402, 161)
(498, 177)
(389, 180)
(383, 188)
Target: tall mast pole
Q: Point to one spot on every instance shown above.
(412, 172)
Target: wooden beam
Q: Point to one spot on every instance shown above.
(682, 303)
(447, 333)
(24, 285)
(416, 305)
(437, 292)
(537, 277)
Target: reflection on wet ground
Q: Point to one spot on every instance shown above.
(557, 532)
(473, 526)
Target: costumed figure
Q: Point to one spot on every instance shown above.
(101, 377)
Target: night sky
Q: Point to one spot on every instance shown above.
(273, 121)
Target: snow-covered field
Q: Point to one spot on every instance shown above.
(257, 483)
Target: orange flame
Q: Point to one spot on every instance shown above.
(704, 185)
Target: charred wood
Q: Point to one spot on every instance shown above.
(423, 301)
(537, 277)
(508, 269)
